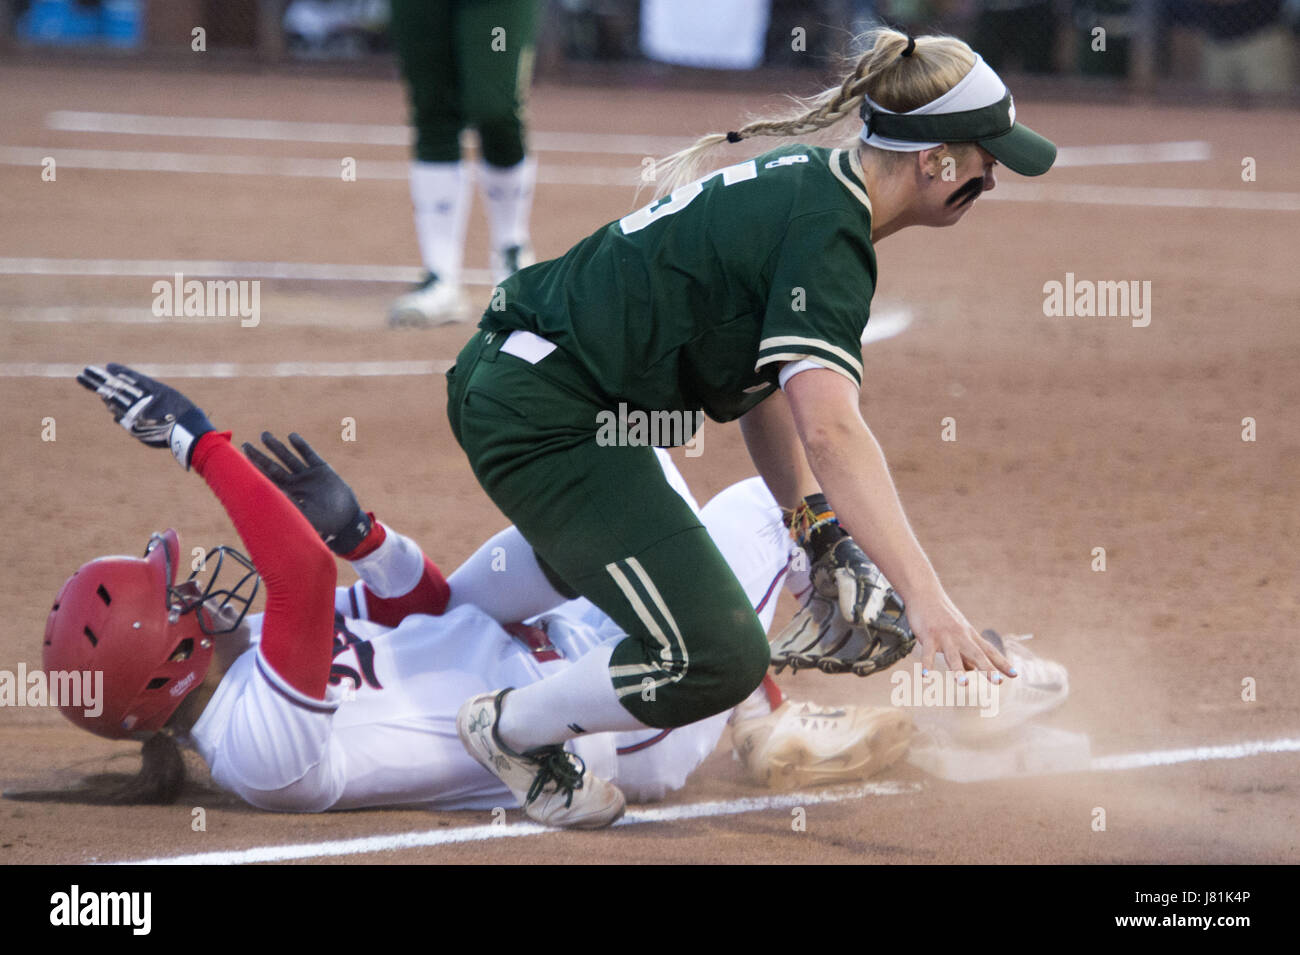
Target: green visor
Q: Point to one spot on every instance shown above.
(994, 127)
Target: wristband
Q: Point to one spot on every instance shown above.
(185, 433)
(353, 535)
(814, 526)
(370, 543)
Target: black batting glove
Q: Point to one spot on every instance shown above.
(316, 490)
(154, 413)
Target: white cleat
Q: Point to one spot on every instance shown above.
(552, 786)
(803, 744)
(506, 262)
(431, 303)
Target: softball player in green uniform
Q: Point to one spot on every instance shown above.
(742, 295)
(466, 63)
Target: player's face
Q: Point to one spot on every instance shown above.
(949, 195)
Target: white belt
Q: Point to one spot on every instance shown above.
(531, 348)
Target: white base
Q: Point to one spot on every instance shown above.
(1030, 751)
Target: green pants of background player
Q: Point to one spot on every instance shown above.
(609, 525)
(466, 63)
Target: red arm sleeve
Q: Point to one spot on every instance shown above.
(297, 567)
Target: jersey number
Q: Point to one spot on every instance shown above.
(345, 639)
(679, 199)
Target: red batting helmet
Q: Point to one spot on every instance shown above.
(152, 639)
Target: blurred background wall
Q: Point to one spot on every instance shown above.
(1239, 49)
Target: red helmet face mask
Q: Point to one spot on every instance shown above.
(151, 638)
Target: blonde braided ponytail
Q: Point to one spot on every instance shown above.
(897, 82)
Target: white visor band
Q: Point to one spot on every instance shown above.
(980, 90)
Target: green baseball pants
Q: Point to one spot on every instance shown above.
(466, 63)
(608, 524)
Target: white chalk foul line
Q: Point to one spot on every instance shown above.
(122, 160)
(86, 314)
(367, 134)
(1194, 754)
(158, 268)
(627, 177)
(282, 369)
(375, 134)
(1147, 196)
(884, 323)
(442, 837)
(361, 134)
(438, 837)
(143, 315)
(1132, 154)
(559, 174)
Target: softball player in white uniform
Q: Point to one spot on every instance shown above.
(346, 697)
(392, 738)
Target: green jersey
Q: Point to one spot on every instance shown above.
(694, 301)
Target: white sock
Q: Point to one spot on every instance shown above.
(440, 192)
(504, 579)
(508, 193)
(579, 699)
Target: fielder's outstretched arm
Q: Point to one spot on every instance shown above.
(777, 451)
(851, 470)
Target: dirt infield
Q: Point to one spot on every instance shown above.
(1072, 433)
